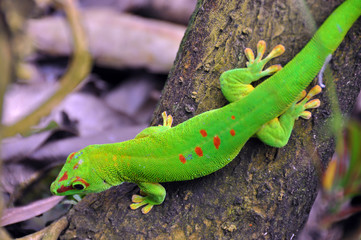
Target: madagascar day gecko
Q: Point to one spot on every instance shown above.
(209, 141)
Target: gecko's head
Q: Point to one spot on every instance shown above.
(78, 176)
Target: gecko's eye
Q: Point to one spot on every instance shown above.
(78, 186)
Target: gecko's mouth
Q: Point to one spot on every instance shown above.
(56, 190)
(64, 189)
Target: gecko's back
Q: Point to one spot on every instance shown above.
(192, 149)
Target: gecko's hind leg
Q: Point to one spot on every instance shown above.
(277, 132)
(236, 83)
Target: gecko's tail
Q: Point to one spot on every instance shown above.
(334, 29)
(302, 69)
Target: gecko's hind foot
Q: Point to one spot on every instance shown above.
(255, 65)
(303, 103)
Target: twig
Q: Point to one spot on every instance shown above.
(77, 71)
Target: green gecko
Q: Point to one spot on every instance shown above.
(209, 141)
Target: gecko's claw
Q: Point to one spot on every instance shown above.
(167, 119)
(275, 52)
(315, 103)
(302, 103)
(137, 198)
(147, 208)
(134, 206)
(261, 49)
(250, 55)
(146, 200)
(313, 92)
(139, 201)
(273, 69)
(306, 115)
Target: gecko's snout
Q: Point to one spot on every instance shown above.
(53, 188)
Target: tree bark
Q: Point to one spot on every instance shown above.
(265, 193)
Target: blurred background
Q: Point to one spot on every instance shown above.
(108, 98)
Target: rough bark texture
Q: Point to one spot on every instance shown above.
(265, 193)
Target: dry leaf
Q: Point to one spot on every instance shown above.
(19, 214)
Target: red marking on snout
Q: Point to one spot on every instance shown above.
(76, 166)
(64, 177)
(71, 157)
(199, 151)
(203, 132)
(64, 189)
(216, 141)
(233, 117)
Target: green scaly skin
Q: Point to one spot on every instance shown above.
(209, 141)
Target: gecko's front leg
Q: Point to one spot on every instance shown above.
(153, 194)
(236, 83)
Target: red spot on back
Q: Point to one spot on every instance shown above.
(64, 177)
(232, 132)
(199, 151)
(233, 117)
(203, 132)
(182, 158)
(216, 141)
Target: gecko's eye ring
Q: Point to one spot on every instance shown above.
(78, 186)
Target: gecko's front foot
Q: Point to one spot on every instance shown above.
(167, 123)
(167, 120)
(139, 201)
(255, 65)
(153, 194)
(236, 83)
